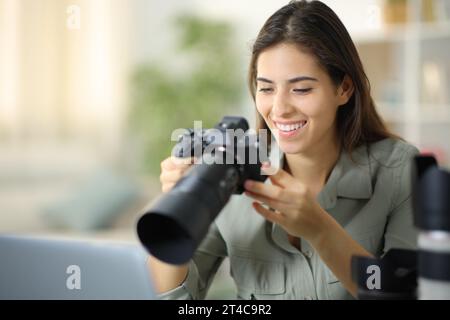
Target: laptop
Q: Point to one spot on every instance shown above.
(41, 268)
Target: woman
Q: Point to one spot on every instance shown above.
(344, 188)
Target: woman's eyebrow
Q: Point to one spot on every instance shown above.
(293, 80)
(264, 80)
(303, 78)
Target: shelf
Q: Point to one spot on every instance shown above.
(401, 33)
(428, 114)
(435, 30)
(379, 36)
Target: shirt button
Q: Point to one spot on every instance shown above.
(308, 298)
(308, 253)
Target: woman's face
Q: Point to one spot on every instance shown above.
(296, 98)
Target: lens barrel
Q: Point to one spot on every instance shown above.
(174, 226)
(433, 221)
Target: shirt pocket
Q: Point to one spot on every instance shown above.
(258, 279)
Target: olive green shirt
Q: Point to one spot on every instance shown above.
(371, 199)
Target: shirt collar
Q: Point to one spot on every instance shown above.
(280, 237)
(356, 179)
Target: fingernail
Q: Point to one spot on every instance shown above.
(248, 184)
(265, 164)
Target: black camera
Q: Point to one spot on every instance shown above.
(226, 156)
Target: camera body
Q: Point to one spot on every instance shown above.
(229, 142)
(225, 157)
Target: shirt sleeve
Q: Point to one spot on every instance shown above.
(400, 231)
(202, 268)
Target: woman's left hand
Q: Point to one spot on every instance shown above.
(296, 210)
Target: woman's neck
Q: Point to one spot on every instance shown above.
(313, 168)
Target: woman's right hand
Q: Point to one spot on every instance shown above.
(172, 170)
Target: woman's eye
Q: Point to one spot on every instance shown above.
(265, 90)
(302, 91)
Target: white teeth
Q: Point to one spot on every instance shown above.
(291, 127)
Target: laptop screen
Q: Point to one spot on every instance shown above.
(39, 268)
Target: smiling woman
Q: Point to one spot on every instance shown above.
(306, 38)
(344, 185)
(300, 104)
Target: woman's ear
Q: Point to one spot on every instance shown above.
(345, 90)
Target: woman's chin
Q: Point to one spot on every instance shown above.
(291, 148)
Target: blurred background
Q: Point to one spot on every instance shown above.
(90, 91)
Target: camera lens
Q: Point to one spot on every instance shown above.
(433, 220)
(179, 220)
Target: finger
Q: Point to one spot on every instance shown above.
(182, 162)
(173, 163)
(171, 176)
(274, 204)
(168, 164)
(267, 190)
(278, 176)
(268, 214)
(167, 187)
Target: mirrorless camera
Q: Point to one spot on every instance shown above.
(225, 156)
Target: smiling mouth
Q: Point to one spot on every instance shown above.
(290, 127)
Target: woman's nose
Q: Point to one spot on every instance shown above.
(281, 105)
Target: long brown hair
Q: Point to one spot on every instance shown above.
(315, 27)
